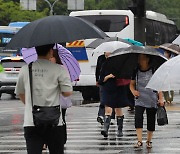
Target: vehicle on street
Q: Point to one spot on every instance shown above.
(119, 24)
(9, 74)
(6, 33)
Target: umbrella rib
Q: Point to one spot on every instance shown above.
(71, 66)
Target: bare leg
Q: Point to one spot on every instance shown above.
(172, 95)
(149, 135)
(139, 137)
(108, 110)
(118, 111)
(139, 134)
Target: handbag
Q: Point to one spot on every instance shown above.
(43, 116)
(162, 118)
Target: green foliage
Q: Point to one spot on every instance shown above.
(11, 11)
(60, 7)
(171, 8)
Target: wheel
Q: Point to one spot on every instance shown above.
(95, 94)
(13, 96)
(86, 94)
(0, 95)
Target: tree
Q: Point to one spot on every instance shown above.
(11, 11)
(60, 8)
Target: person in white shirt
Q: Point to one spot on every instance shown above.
(49, 81)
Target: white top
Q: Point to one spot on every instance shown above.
(49, 80)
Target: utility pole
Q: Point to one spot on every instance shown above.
(139, 10)
(51, 6)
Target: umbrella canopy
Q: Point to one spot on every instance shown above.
(177, 40)
(134, 42)
(171, 47)
(111, 46)
(167, 76)
(54, 29)
(68, 60)
(99, 41)
(123, 61)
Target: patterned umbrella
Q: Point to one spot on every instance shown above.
(171, 47)
(68, 60)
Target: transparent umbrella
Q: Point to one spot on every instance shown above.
(167, 76)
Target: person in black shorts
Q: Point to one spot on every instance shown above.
(146, 99)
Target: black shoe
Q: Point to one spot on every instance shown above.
(105, 134)
(100, 120)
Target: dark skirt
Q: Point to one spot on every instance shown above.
(115, 96)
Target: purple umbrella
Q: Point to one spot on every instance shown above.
(68, 60)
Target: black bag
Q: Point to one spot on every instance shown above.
(162, 118)
(43, 116)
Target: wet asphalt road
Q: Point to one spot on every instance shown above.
(84, 132)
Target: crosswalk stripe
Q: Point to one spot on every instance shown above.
(84, 137)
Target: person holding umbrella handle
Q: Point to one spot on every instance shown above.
(145, 99)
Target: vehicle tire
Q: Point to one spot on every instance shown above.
(0, 95)
(86, 94)
(13, 96)
(95, 94)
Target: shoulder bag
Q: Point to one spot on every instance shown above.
(43, 116)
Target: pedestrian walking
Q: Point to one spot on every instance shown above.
(168, 95)
(101, 112)
(114, 96)
(48, 82)
(146, 99)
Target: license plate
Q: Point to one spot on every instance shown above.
(12, 75)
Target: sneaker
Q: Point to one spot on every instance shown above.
(100, 120)
(104, 133)
(113, 121)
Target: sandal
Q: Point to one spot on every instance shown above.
(148, 144)
(138, 144)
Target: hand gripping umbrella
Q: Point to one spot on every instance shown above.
(68, 60)
(54, 29)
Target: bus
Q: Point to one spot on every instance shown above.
(18, 24)
(117, 24)
(6, 33)
(120, 23)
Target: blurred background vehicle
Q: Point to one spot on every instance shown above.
(10, 67)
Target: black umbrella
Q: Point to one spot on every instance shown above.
(55, 29)
(122, 62)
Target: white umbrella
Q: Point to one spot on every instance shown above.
(167, 76)
(111, 46)
(177, 40)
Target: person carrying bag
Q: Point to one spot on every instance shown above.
(42, 117)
